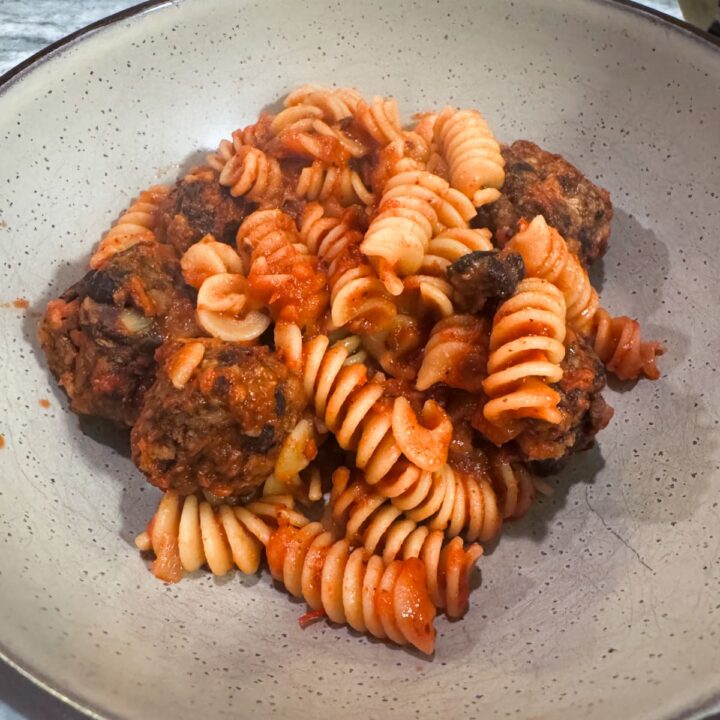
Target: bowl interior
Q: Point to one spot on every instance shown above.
(604, 600)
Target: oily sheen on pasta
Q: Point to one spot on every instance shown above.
(344, 349)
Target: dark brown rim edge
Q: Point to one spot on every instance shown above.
(83, 706)
(43, 54)
(657, 15)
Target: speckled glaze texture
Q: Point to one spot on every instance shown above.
(604, 601)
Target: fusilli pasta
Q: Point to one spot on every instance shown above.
(526, 349)
(137, 224)
(385, 600)
(617, 341)
(473, 155)
(368, 519)
(283, 276)
(187, 533)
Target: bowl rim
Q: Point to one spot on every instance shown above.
(30, 63)
(16, 73)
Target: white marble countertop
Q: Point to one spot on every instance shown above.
(27, 26)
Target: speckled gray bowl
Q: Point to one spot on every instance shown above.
(604, 601)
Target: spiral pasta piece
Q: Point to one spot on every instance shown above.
(546, 255)
(618, 343)
(187, 533)
(298, 450)
(209, 257)
(138, 224)
(415, 205)
(380, 119)
(526, 349)
(358, 300)
(381, 433)
(311, 126)
(455, 354)
(184, 363)
(253, 174)
(283, 276)
(368, 519)
(224, 309)
(321, 182)
(472, 153)
(397, 348)
(335, 104)
(389, 601)
(513, 484)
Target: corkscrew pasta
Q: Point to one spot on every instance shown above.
(526, 349)
(473, 156)
(138, 224)
(369, 519)
(617, 341)
(395, 351)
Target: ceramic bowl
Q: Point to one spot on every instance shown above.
(605, 600)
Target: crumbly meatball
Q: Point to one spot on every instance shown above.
(585, 411)
(540, 183)
(198, 206)
(100, 336)
(481, 276)
(223, 429)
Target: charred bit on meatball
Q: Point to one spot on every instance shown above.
(483, 275)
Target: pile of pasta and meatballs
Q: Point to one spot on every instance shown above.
(349, 348)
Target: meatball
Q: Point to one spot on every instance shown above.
(481, 276)
(222, 430)
(100, 336)
(585, 411)
(199, 206)
(540, 183)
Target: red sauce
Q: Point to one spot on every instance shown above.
(21, 303)
(2, 442)
(44, 403)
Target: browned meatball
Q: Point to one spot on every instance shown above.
(540, 183)
(198, 206)
(100, 336)
(223, 430)
(585, 411)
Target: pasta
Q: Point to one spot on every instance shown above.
(223, 309)
(455, 354)
(617, 341)
(526, 349)
(283, 276)
(137, 224)
(187, 533)
(318, 182)
(385, 600)
(380, 378)
(473, 155)
(415, 205)
(358, 299)
(209, 257)
(547, 256)
(619, 345)
(368, 519)
(380, 119)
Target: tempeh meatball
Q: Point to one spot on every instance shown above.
(222, 430)
(100, 336)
